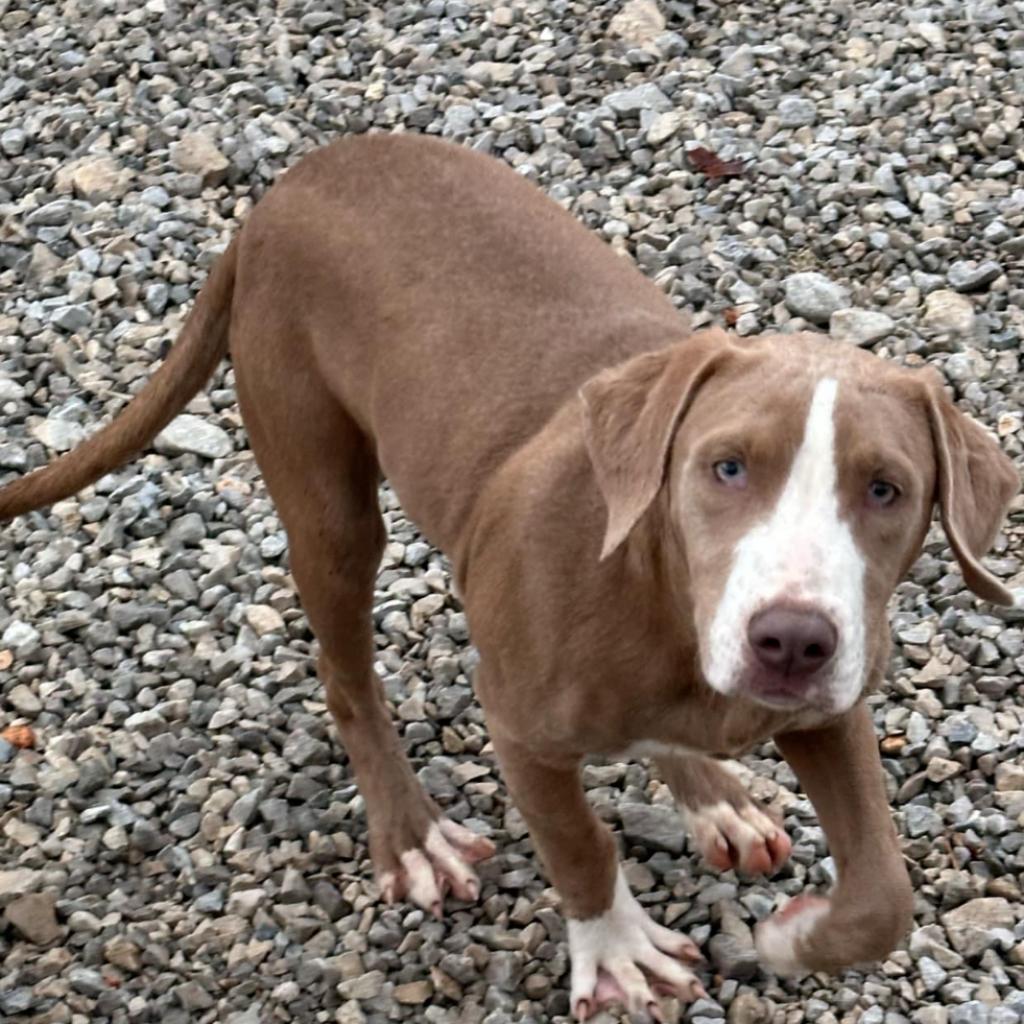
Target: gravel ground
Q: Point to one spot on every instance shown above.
(181, 840)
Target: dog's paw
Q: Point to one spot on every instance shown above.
(778, 938)
(624, 958)
(440, 865)
(744, 838)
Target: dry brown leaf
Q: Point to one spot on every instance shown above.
(713, 165)
(893, 744)
(21, 736)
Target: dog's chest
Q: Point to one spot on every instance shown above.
(711, 726)
(657, 748)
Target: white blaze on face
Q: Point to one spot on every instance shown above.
(801, 553)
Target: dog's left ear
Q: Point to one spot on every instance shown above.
(976, 482)
(630, 414)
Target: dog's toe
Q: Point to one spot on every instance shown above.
(442, 864)
(624, 958)
(744, 838)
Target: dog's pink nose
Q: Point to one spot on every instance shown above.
(793, 642)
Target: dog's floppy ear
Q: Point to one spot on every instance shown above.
(630, 413)
(975, 482)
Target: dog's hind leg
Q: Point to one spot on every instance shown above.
(727, 828)
(321, 472)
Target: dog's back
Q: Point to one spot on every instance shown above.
(473, 303)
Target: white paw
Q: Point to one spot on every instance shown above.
(441, 863)
(777, 937)
(624, 957)
(744, 838)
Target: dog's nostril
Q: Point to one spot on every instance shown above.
(814, 651)
(770, 643)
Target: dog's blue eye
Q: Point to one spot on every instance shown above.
(731, 471)
(881, 492)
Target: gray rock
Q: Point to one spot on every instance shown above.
(629, 102)
(24, 700)
(740, 63)
(885, 180)
(18, 634)
(197, 153)
(747, 1008)
(329, 900)
(796, 112)
(185, 827)
(933, 1014)
(922, 821)
(366, 986)
(967, 276)
(72, 318)
(860, 326)
(814, 297)
(733, 958)
(10, 390)
(51, 214)
(653, 826)
(302, 750)
(12, 142)
(245, 809)
(966, 366)
(59, 434)
(146, 838)
(210, 902)
(971, 926)
(933, 975)
(34, 916)
(972, 1012)
(149, 723)
(155, 296)
(949, 311)
(87, 982)
(193, 998)
(99, 178)
(16, 1001)
(639, 23)
(505, 971)
(903, 98)
(293, 887)
(194, 435)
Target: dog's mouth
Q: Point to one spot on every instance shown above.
(783, 692)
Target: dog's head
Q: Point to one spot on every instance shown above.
(798, 478)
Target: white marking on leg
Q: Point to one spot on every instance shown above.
(620, 942)
(776, 938)
(802, 552)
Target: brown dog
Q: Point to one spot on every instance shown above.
(668, 544)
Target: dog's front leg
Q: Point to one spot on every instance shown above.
(619, 955)
(871, 908)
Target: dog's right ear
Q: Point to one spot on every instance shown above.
(630, 414)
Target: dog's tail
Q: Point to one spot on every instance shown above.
(194, 356)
